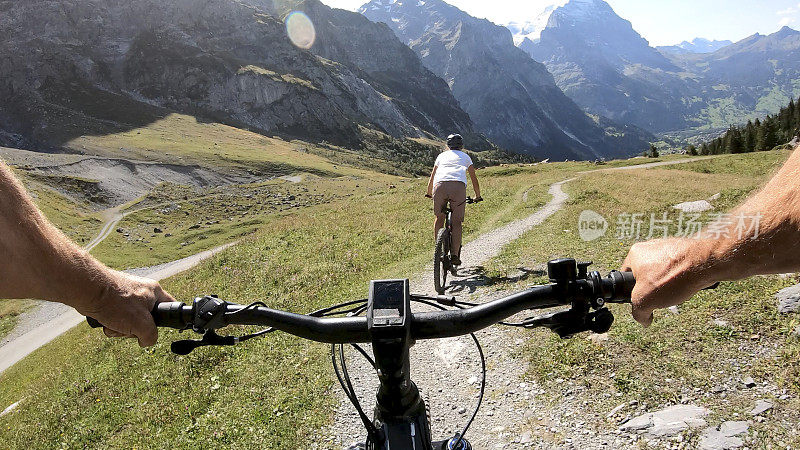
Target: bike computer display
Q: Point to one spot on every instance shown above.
(389, 303)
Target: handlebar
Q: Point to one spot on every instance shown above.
(591, 292)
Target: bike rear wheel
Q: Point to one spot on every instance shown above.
(441, 260)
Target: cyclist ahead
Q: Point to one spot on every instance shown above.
(448, 183)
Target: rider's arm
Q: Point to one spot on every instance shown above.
(38, 261)
(668, 272)
(430, 182)
(474, 178)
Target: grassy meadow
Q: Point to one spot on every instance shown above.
(315, 241)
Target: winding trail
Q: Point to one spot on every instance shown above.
(113, 217)
(447, 371)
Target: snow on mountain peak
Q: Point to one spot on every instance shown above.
(532, 29)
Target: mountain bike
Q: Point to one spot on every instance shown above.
(386, 320)
(443, 249)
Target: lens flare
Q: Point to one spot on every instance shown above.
(300, 30)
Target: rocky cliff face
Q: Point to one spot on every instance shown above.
(511, 98)
(602, 63)
(374, 53)
(80, 66)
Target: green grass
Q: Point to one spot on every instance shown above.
(174, 222)
(272, 393)
(182, 139)
(72, 217)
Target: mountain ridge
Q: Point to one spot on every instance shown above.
(513, 99)
(697, 45)
(118, 64)
(605, 66)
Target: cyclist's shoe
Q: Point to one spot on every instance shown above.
(455, 260)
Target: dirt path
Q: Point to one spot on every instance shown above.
(50, 320)
(448, 371)
(112, 218)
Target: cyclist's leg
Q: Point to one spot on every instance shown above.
(439, 200)
(458, 198)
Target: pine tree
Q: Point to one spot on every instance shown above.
(749, 137)
(761, 137)
(770, 133)
(704, 149)
(796, 119)
(691, 150)
(735, 143)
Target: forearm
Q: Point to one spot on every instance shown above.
(39, 261)
(771, 243)
(476, 186)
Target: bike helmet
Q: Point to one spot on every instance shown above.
(455, 142)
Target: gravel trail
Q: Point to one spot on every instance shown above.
(448, 371)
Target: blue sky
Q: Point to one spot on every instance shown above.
(662, 22)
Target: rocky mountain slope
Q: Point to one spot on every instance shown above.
(602, 63)
(91, 67)
(512, 99)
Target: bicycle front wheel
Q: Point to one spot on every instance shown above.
(441, 260)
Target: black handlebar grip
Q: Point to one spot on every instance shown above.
(166, 314)
(621, 286)
(628, 283)
(172, 315)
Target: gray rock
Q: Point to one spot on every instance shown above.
(761, 407)
(734, 428)
(667, 422)
(749, 382)
(723, 437)
(694, 207)
(789, 300)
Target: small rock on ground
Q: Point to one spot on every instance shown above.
(694, 207)
(789, 299)
(667, 422)
(761, 407)
(723, 437)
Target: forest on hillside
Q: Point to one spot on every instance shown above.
(759, 135)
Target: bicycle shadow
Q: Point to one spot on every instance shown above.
(471, 278)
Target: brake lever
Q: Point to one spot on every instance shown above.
(568, 323)
(210, 337)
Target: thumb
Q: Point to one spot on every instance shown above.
(145, 331)
(642, 314)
